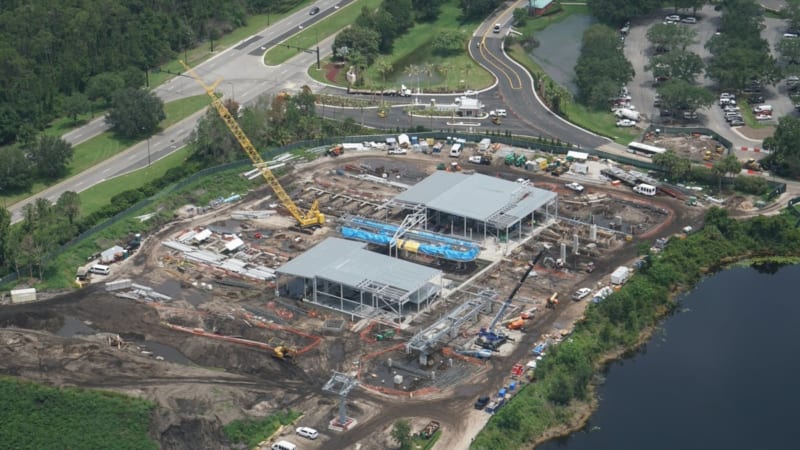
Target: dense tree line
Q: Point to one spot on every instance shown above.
(64, 58)
(43, 157)
(602, 68)
(565, 374)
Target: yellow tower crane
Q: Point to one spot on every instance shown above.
(310, 218)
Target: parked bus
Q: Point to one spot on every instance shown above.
(644, 149)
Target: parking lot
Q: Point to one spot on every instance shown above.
(643, 90)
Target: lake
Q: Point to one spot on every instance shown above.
(722, 373)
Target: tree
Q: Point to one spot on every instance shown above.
(426, 10)
(727, 165)
(365, 41)
(784, 145)
(445, 69)
(789, 50)
(680, 95)
(384, 68)
(401, 433)
(5, 226)
(601, 68)
(413, 70)
(676, 167)
(135, 112)
(520, 17)
(666, 36)
(676, 64)
(615, 12)
(69, 204)
(448, 42)
(16, 171)
(473, 9)
(50, 156)
(102, 87)
(75, 104)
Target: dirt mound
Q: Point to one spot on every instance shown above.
(179, 433)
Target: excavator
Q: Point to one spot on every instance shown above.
(311, 218)
(488, 337)
(283, 352)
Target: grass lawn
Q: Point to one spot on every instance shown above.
(309, 37)
(414, 48)
(747, 114)
(97, 196)
(106, 145)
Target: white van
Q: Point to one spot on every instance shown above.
(455, 151)
(283, 445)
(496, 28)
(645, 189)
(100, 269)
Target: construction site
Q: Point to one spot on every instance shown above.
(373, 287)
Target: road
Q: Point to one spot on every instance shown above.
(245, 76)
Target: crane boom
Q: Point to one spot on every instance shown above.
(313, 217)
(514, 292)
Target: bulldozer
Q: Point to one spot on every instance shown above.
(335, 151)
(752, 164)
(283, 352)
(552, 301)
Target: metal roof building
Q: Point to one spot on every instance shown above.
(475, 204)
(345, 276)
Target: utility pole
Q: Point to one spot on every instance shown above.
(148, 152)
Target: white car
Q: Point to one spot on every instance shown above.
(307, 432)
(581, 293)
(626, 123)
(501, 113)
(672, 18)
(689, 19)
(575, 187)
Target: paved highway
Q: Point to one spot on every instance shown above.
(245, 78)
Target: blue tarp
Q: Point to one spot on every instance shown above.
(444, 247)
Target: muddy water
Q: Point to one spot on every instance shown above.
(75, 327)
(722, 374)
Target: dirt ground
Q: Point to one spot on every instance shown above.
(204, 382)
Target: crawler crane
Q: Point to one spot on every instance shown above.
(311, 218)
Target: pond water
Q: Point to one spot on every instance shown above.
(721, 374)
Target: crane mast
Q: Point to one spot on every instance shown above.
(313, 217)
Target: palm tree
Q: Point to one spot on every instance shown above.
(445, 69)
(384, 68)
(429, 69)
(413, 70)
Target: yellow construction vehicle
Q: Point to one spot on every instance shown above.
(283, 352)
(312, 217)
(752, 164)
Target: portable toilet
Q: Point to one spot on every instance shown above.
(512, 385)
(414, 140)
(502, 393)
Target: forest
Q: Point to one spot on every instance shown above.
(57, 55)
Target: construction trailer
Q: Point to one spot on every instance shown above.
(345, 276)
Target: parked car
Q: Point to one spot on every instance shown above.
(501, 113)
(575, 187)
(672, 18)
(581, 293)
(736, 123)
(626, 123)
(689, 19)
(754, 99)
(481, 402)
(307, 432)
(313, 11)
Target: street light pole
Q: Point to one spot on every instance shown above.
(148, 152)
